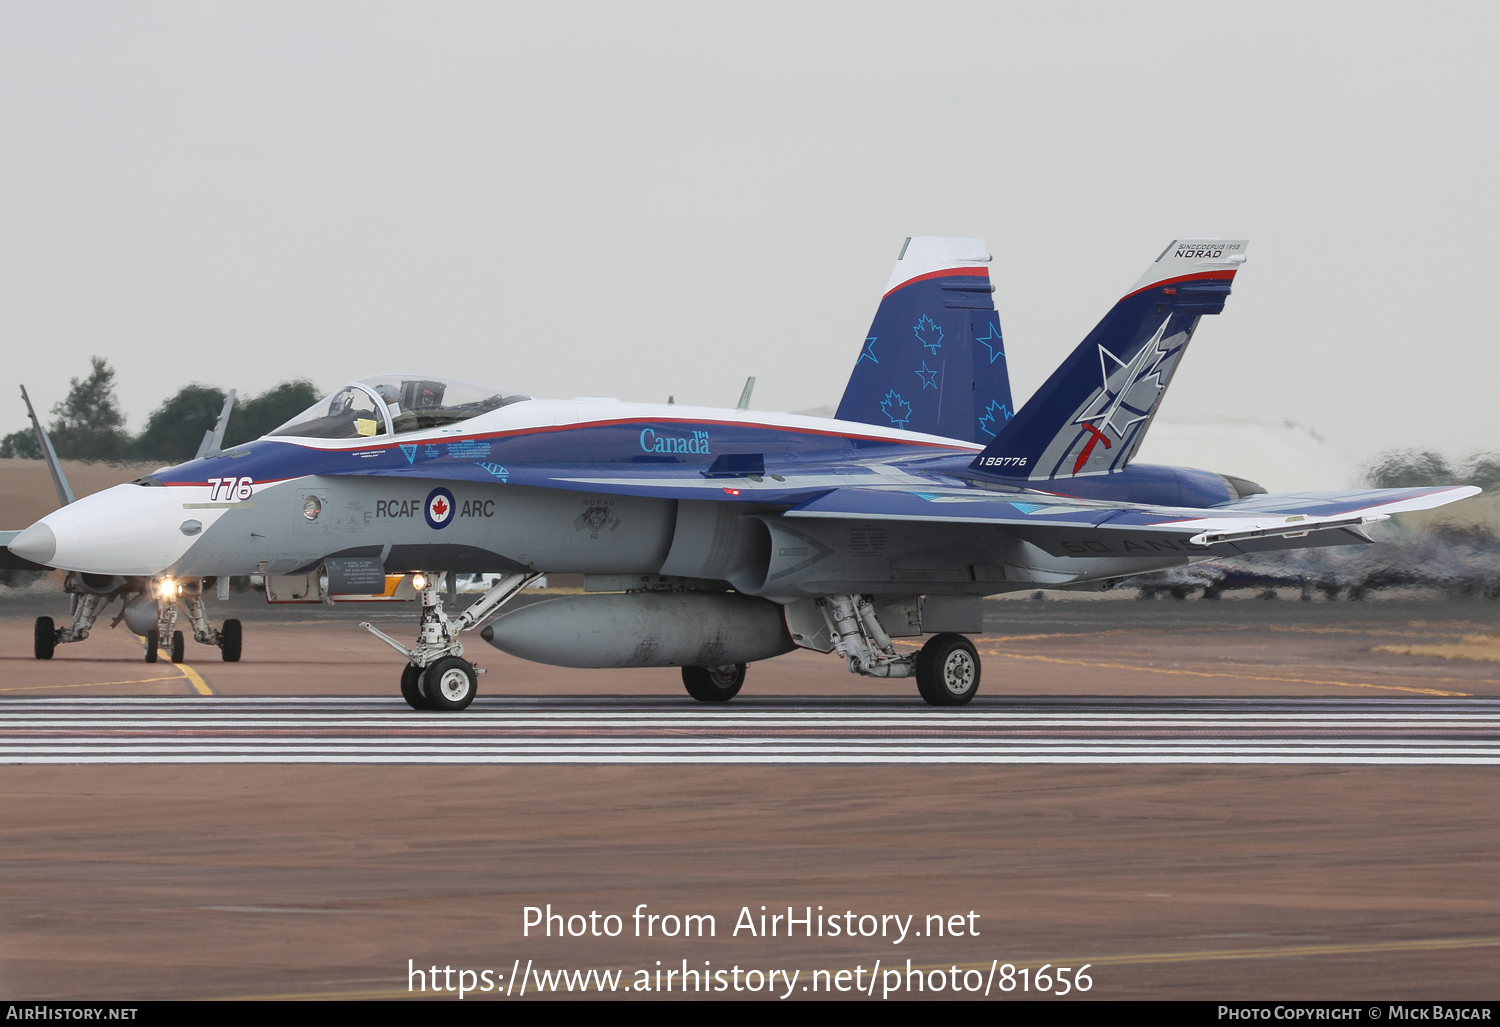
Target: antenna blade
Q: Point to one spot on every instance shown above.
(744, 403)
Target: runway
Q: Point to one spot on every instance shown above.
(637, 730)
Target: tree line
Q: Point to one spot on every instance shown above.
(89, 425)
(1417, 468)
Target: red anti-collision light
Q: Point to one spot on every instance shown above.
(732, 492)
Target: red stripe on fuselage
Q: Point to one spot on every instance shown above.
(611, 422)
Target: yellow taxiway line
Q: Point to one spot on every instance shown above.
(195, 679)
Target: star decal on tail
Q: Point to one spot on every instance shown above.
(993, 342)
(1140, 386)
(868, 353)
(929, 377)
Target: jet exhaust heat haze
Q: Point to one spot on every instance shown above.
(714, 538)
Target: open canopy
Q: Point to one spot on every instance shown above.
(395, 404)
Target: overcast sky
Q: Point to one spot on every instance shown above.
(637, 200)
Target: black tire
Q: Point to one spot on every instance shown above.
(45, 639)
(179, 647)
(411, 687)
(948, 670)
(231, 637)
(153, 641)
(714, 684)
(450, 684)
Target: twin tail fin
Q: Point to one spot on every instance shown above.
(934, 360)
(1091, 416)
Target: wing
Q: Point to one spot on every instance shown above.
(1069, 527)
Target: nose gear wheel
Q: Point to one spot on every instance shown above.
(411, 688)
(436, 676)
(449, 684)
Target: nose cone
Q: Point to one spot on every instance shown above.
(129, 529)
(36, 543)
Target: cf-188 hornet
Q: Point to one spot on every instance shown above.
(708, 538)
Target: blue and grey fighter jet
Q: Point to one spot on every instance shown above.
(713, 538)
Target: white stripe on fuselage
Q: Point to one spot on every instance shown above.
(536, 414)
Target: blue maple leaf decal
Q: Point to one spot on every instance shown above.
(868, 353)
(929, 378)
(896, 408)
(928, 333)
(993, 342)
(996, 415)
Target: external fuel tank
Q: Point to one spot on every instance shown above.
(644, 629)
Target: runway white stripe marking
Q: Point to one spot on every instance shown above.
(830, 731)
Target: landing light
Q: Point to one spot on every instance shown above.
(167, 589)
(419, 581)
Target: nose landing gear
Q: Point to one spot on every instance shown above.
(149, 609)
(437, 677)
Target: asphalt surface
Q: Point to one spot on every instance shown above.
(1311, 874)
(765, 731)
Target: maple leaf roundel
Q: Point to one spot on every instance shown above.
(439, 508)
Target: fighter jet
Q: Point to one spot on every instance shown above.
(710, 538)
(142, 608)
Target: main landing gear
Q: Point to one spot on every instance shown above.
(946, 668)
(437, 677)
(150, 610)
(714, 684)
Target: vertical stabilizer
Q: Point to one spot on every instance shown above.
(213, 438)
(1092, 414)
(54, 466)
(934, 360)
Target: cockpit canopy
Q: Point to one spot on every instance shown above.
(394, 404)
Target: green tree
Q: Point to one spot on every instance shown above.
(1418, 468)
(175, 430)
(1409, 468)
(271, 409)
(1482, 469)
(89, 424)
(21, 443)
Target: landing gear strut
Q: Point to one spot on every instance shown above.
(169, 596)
(187, 597)
(437, 677)
(229, 638)
(86, 609)
(946, 669)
